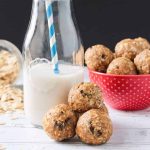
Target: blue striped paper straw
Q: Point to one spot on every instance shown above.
(52, 37)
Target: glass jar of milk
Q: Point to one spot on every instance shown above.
(43, 88)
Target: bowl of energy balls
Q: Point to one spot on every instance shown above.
(124, 76)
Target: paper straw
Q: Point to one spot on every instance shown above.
(52, 37)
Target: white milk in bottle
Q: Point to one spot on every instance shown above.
(43, 89)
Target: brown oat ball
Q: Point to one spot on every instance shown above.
(142, 43)
(98, 58)
(142, 62)
(59, 123)
(127, 48)
(84, 96)
(121, 66)
(94, 127)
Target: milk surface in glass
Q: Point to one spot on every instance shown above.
(43, 89)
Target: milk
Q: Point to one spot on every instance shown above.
(43, 89)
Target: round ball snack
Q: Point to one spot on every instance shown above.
(142, 43)
(127, 48)
(142, 62)
(59, 123)
(98, 58)
(121, 66)
(84, 96)
(94, 127)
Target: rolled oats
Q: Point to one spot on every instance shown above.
(9, 67)
(11, 98)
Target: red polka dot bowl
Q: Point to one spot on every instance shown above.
(124, 92)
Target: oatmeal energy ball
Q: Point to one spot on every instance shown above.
(94, 127)
(142, 43)
(142, 62)
(59, 123)
(84, 96)
(127, 48)
(121, 66)
(98, 58)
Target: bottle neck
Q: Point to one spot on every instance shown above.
(63, 4)
(67, 1)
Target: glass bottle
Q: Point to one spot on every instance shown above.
(43, 89)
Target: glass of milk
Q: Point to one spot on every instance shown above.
(43, 89)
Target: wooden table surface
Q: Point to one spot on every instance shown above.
(131, 131)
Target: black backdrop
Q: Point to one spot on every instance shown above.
(100, 21)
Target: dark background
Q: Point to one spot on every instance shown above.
(100, 21)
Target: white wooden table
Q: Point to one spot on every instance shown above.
(131, 131)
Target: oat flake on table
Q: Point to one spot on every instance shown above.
(11, 99)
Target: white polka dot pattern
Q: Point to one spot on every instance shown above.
(124, 92)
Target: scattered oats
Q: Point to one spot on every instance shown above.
(2, 123)
(14, 118)
(2, 147)
(11, 99)
(1, 110)
(3, 88)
